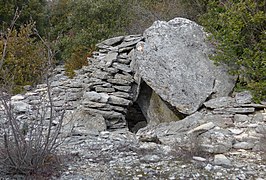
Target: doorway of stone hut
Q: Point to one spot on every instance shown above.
(135, 118)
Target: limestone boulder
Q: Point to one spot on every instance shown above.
(174, 62)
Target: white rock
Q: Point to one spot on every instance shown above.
(203, 127)
(243, 145)
(236, 131)
(21, 106)
(17, 97)
(197, 158)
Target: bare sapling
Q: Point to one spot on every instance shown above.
(29, 141)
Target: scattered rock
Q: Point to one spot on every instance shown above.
(220, 159)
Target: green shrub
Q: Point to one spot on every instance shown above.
(238, 31)
(25, 57)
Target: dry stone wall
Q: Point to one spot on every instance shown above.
(101, 91)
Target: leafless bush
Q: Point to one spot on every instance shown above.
(28, 145)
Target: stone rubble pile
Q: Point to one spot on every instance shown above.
(224, 124)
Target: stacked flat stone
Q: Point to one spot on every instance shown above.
(108, 80)
(101, 88)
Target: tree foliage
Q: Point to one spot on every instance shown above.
(22, 58)
(34, 10)
(81, 24)
(238, 28)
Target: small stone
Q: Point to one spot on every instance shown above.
(236, 131)
(110, 58)
(240, 110)
(244, 97)
(21, 106)
(122, 67)
(197, 158)
(17, 97)
(219, 102)
(123, 88)
(261, 129)
(208, 167)
(243, 145)
(202, 128)
(151, 158)
(258, 117)
(28, 87)
(241, 118)
(119, 101)
(221, 159)
(102, 89)
(119, 81)
(112, 41)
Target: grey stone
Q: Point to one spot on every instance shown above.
(240, 110)
(111, 70)
(123, 88)
(101, 74)
(119, 101)
(27, 87)
(241, 118)
(96, 97)
(202, 128)
(258, 106)
(20, 106)
(112, 41)
(219, 102)
(236, 131)
(73, 96)
(105, 114)
(119, 81)
(92, 104)
(172, 132)
(125, 49)
(75, 84)
(17, 97)
(58, 103)
(130, 43)
(261, 129)
(124, 77)
(222, 121)
(174, 62)
(102, 89)
(124, 61)
(220, 159)
(243, 145)
(216, 141)
(122, 95)
(258, 117)
(122, 67)
(197, 158)
(110, 58)
(123, 56)
(243, 97)
(92, 96)
(133, 37)
(151, 158)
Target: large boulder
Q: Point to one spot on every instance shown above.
(174, 62)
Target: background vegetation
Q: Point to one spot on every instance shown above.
(74, 27)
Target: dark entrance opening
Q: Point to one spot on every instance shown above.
(135, 119)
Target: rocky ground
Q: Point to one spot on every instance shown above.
(120, 155)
